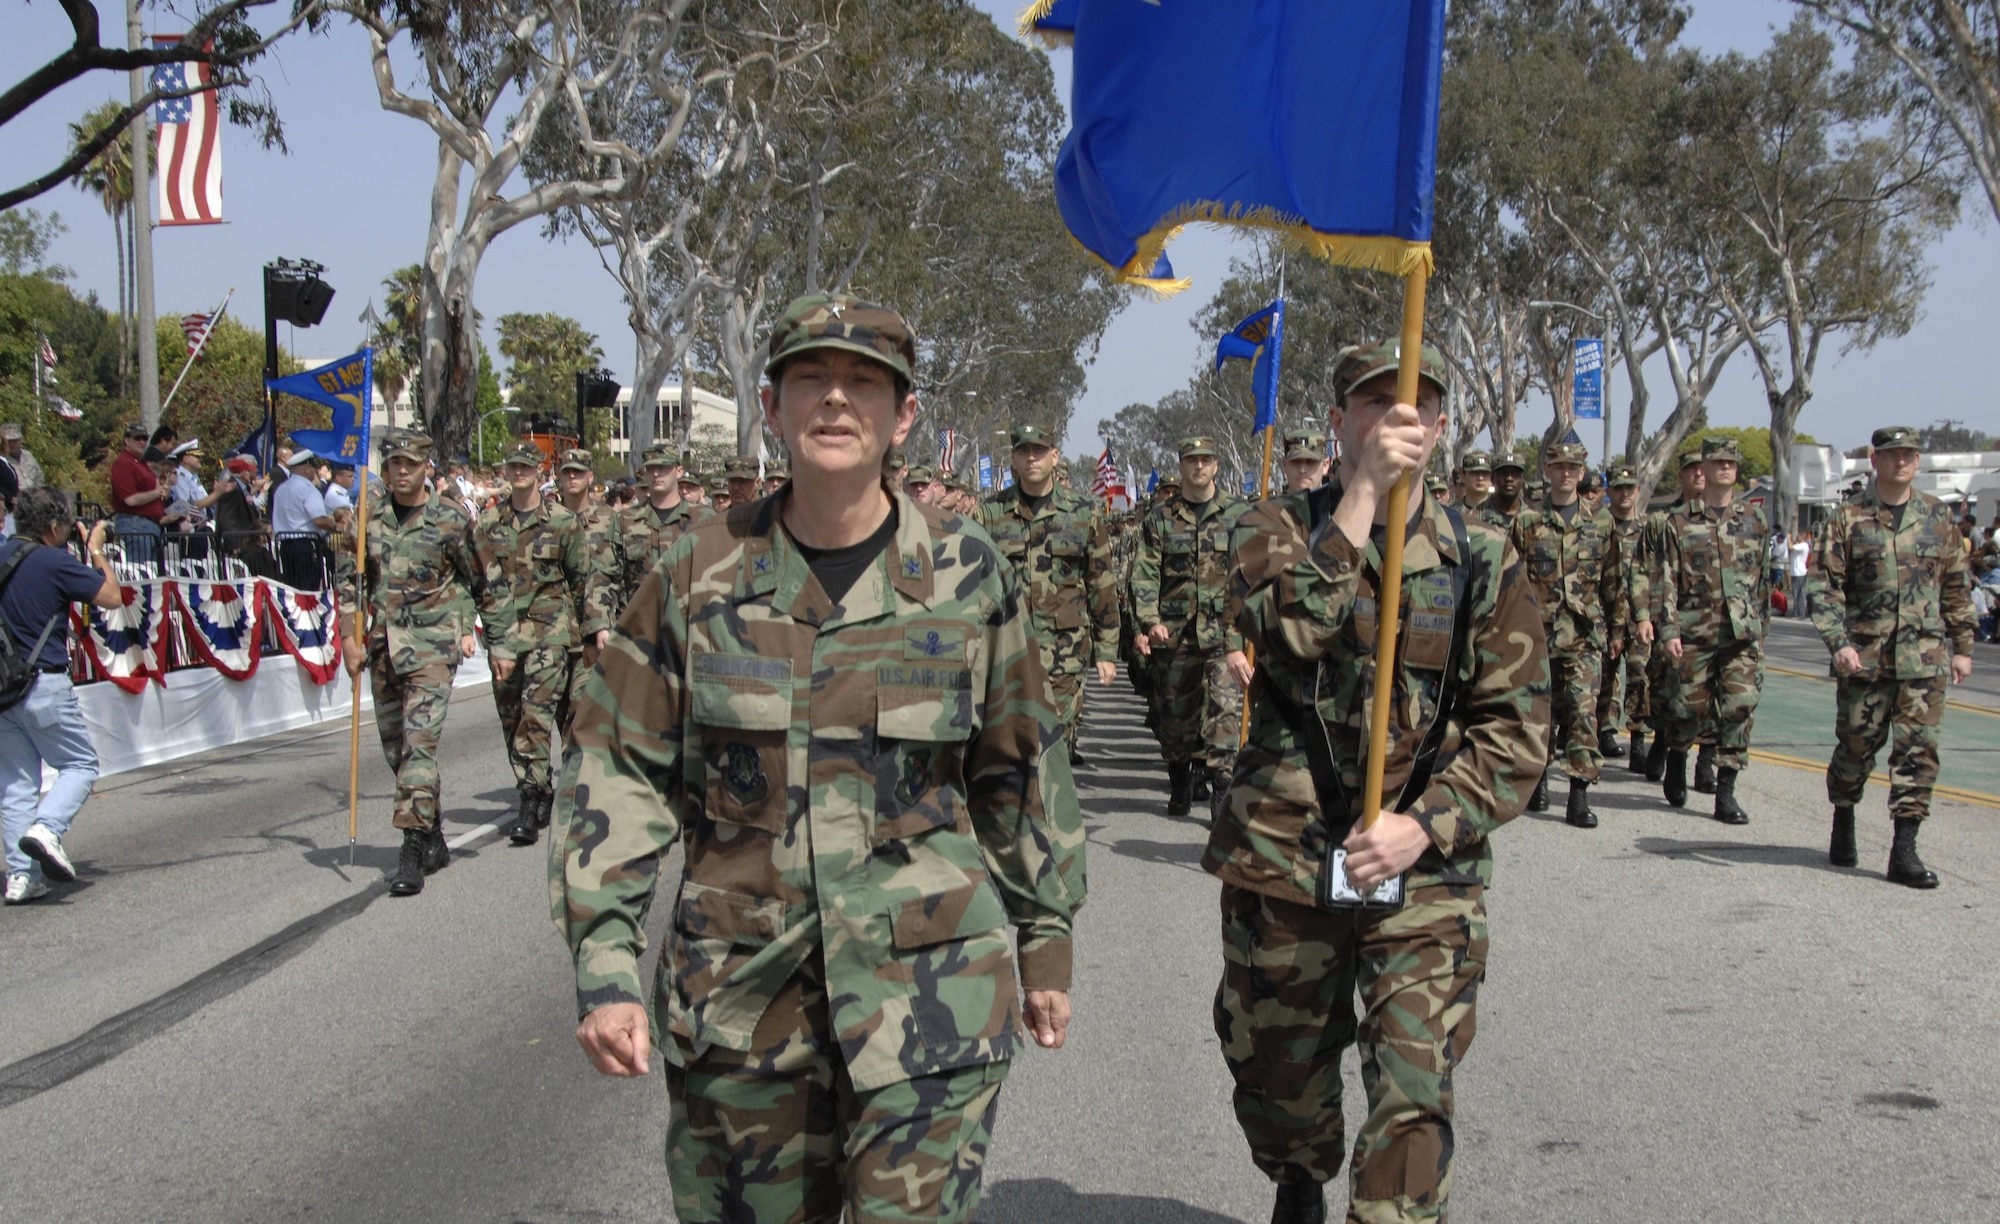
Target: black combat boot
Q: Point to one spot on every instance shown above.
(1539, 801)
(1635, 760)
(1905, 867)
(1301, 1200)
(1656, 759)
(522, 831)
(1727, 810)
(1841, 852)
(437, 855)
(1180, 798)
(1199, 773)
(1579, 813)
(1704, 770)
(1674, 783)
(409, 878)
(546, 811)
(1608, 746)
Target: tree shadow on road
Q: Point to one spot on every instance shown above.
(1739, 854)
(1044, 1200)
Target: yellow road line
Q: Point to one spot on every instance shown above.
(1967, 706)
(1956, 793)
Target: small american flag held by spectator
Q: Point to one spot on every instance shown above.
(190, 159)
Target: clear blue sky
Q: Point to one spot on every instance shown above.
(354, 192)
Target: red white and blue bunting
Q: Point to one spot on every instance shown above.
(220, 624)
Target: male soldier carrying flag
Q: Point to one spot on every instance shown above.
(416, 593)
(1468, 736)
(832, 699)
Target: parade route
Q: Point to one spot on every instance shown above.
(1682, 1021)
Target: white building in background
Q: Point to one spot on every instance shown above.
(711, 416)
(1821, 475)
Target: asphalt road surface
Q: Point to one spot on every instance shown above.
(1683, 1021)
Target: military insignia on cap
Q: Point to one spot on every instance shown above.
(743, 773)
(1895, 437)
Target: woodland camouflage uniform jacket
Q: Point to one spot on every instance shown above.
(1180, 576)
(1622, 571)
(1309, 609)
(597, 602)
(1063, 556)
(872, 782)
(643, 536)
(1900, 596)
(422, 579)
(1567, 562)
(1714, 579)
(542, 563)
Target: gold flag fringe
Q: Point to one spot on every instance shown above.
(1052, 39)
(1375, 253)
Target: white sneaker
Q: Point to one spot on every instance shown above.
(21, 889)
(42, 844)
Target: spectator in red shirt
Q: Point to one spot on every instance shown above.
(138, 500)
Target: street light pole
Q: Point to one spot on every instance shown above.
(1594, 317)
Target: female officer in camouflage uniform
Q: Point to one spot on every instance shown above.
(1471, 654)
(831, 698)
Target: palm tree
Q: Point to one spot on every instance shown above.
(108, 176)
(398, 335)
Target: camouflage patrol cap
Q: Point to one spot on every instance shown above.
(740, 467)
(1361, 362)
(1199, 445)
(1623, 475)
(1895, 437)
(660, 454)
(575, 459)
(1722, 450)
(1305, 446)
(1476, 461)
(1436, 484)
(1168, 482)
(1690, 459)
(1031, 432)
(1537, 487)
(407, 444)
(919, 475)
(895, 460)
(524, 456)
(689, 478)
(718, 487)
(842, 321)
(1568, 452)
(1509, 462)
(776, 469)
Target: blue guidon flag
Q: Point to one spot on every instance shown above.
(348, 387)
(1050, 22)
(1313, 118)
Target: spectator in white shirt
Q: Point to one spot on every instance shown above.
(1801, 553)
(300, 522)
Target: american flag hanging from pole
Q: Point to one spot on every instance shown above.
(948, 450)
(48, 353)
(1107, 475)
(190, 158)
(196, 328)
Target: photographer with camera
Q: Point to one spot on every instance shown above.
(40, 721)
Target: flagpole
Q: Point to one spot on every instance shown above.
(361, 636)
(1389, 598)
(206, 332)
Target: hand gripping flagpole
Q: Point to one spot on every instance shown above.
(1389, 598)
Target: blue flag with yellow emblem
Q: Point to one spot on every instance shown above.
(1315, 118)
(347, 387)
(1258, 340)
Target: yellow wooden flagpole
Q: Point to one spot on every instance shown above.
(1250, 648)
(1389, 599)
(360, 635)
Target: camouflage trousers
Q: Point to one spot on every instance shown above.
(528, 700)
(1285, 1012)
(780, 1135)
(1715, 691)
(409, 716)
(1866, 712)
(1575, 676)
(1067, 688)
(1201, 711)
(1621, 702)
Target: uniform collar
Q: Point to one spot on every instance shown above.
(1429, 540)
(773, 567)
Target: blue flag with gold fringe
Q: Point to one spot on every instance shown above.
(347, 387)
(1050, 22)
(1309, 117)
(1259, 340)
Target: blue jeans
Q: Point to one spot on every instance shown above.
(47, 727)
(141, 538)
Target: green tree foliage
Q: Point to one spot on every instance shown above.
(1947, 436)
(1752, 442)
(547, 352)
(25, 238)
